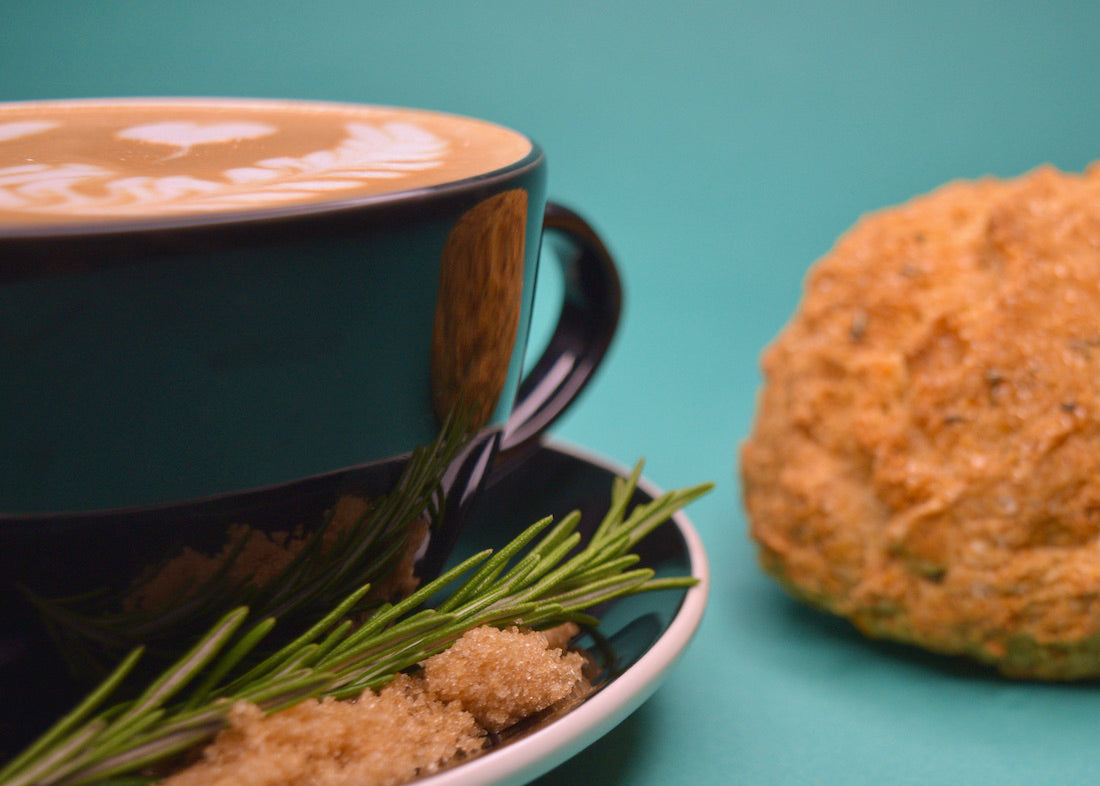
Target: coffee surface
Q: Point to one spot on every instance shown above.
(90, 161)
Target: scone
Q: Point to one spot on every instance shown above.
(925, 460)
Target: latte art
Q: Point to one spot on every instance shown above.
(92, 160)
(366, 153)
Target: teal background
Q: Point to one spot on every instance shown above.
(719, 148)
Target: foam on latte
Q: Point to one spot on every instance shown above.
(94, 160)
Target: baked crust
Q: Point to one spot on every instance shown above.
(925, 459)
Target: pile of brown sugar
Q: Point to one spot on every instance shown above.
(925, 459)
(414, 726)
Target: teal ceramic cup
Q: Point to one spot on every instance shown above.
(216, 311)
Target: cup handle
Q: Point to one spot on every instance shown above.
(590, 313)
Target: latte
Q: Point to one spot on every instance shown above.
(81, 161)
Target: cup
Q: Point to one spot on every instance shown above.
(227, 313)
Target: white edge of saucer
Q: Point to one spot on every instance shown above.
(526, 759)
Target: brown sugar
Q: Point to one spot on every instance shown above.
(502, 676)
(925, 459)
(414, 726)
(385, 738)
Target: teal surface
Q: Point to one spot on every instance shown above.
(720, 148)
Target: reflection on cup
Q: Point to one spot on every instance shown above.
(478, 310)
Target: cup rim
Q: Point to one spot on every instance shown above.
(391, 199)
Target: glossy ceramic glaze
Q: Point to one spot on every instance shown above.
(167, 340)
(221, 312)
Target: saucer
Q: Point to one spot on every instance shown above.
(641, 637)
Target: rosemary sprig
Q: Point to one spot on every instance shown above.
(542, 578)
